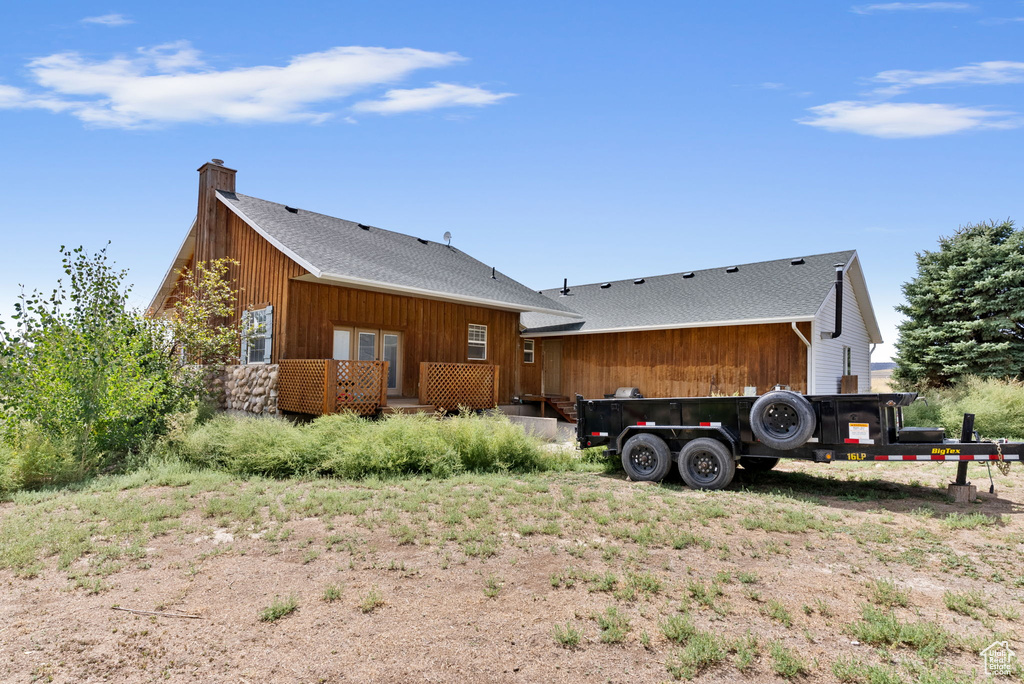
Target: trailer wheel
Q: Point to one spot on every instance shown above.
(758, 464)
(706, 463)
(782, 420)
(646, 458)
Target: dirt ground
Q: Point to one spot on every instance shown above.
(466, 580)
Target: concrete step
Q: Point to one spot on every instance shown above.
(408, 408)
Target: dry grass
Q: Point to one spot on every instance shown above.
(547, 577)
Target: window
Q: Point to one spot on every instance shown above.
(257, 332)
(477, 342)
(527, 351)
(367, 350)
(847, 361)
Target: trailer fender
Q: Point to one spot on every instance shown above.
(682, 433)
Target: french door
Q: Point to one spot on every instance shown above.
(366, 344)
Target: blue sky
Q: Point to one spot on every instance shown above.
(582, 140)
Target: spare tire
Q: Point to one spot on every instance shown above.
(782, 420)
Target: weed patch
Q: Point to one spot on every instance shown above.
(279, 608)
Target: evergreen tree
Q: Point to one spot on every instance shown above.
(965, 309)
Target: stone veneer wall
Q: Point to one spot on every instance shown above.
(251, 388)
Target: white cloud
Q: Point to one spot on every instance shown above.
(913, 7)
(16, 98)
(906, 119)
(170, 83)
(109, 20)
(434, 97)
(980, 73)
(996, 21)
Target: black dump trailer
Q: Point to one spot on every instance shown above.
(706, 437)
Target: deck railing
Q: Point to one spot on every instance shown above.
(451, 385)
(324, 386)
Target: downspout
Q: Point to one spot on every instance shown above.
(800, 334)
(807, 343)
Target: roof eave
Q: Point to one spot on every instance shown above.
(673, 326)
(170, 278)
(268, 237)
(433, 294)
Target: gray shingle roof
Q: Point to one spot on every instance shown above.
(763, 290)
(337, 249)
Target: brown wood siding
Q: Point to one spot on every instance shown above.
(261, 276)
(529, 373)
(432, 330)
(690, 362)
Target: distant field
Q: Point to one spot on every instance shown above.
(881, 380)
(845, 572)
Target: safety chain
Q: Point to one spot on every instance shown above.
(1002, 463)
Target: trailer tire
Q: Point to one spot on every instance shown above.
(758, 464)
(706, 463)
(646, 458)
(782, 420)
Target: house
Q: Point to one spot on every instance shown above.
(331, 301)
(344, 315)
(720, 330)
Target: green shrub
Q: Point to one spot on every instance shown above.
(351, 447)
(997, 405)
(29, 459)
(252, 446)
(9, 481)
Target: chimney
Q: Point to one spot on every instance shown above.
(211, 217)
(839, 307)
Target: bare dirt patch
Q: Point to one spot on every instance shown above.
(467, 579)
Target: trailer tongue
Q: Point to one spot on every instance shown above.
(706, 437)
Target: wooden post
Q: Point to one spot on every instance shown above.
(330, 397)
(494, 387)
(424, 374)
(849, 384)
(384, 385)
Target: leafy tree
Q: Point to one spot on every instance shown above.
(965, 309)
(95, 378)
(202, 321)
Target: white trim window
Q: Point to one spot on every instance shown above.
(477, 342)
(847, 361)
(257, 334)
(528, 351)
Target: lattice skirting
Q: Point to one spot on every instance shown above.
(323, 386)
(451, 385)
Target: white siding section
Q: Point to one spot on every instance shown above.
(828, 354)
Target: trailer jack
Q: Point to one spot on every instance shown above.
(962, 491)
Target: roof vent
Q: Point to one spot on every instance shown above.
(363, 226)
(797, 262)
(639, 281)
(292, 210)
(688, 274)
(605, 286)
(565, 287)
(422, 241)
(218, 162)
(732, 269)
